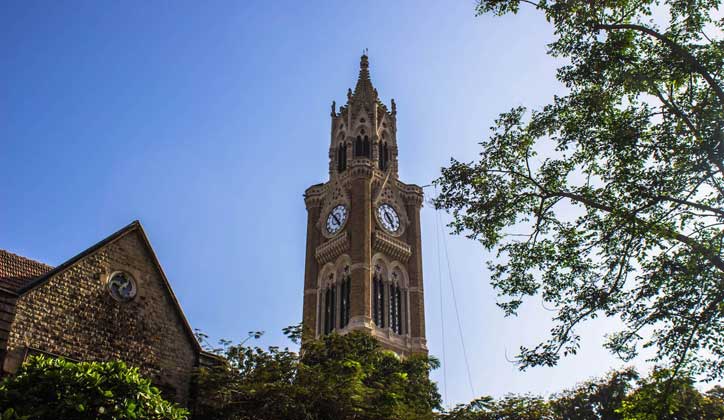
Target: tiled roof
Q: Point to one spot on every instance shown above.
(17, 272)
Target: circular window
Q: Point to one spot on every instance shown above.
(122, 286)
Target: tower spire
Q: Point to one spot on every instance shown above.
(364, 91)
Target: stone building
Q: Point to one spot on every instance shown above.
(111, 301)
(363, 257)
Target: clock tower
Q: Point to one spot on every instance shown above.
(363, 262)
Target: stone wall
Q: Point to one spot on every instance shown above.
(73, 315)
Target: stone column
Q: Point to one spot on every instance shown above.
(309, 311)
(413, 200)
(360, 230)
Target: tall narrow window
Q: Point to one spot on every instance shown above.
(398, 308)
(344, 301)
(333, 300)
(378, 301)
(366, 147)
(384, 156)
(330, 310)
(391, 312)
(395, 308)
(327, 311)
(341, 157)
(387, 155)
(358, 147)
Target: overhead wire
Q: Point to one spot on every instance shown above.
(442, 311)
(455, 301)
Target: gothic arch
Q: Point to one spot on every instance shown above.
(334, 294)
(323, 280)
(340, 263)
(397, 267)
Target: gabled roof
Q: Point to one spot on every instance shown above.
(16, 272)
(42, 273)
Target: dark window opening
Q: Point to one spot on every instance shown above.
(395, 309)
(341, 157)
(345, 302)
(366, 148)
(358, 147)
(330, 300)
(378, 300)
(384, 156)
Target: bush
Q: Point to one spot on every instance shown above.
(47, 388)
(335, 377)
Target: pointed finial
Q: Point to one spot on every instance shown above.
(364, 64)
(334, 108)
(393, 105)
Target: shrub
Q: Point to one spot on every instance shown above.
(49, 388)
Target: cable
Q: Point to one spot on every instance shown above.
(457, 312)
(442, 312)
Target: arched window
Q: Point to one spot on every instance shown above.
(378, 300)
(341, 157)
(358, 147)
(366, 147)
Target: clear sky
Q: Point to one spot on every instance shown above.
(208, 120)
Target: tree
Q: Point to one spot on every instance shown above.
(334, 377)
(621, 395)
(609, 201)
(594, 399)
(510, 407)
(663, 396)
(50, 389)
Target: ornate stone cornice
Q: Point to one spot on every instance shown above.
(412, 194)
(332, 249)
(361, 168)
(395, 248)
(313, 195)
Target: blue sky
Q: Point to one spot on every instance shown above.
(207, 121)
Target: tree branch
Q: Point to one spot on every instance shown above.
(711, 256)
(674, 47)
(679, 113)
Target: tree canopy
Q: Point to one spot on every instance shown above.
(621, 395)
(50, 389)
(334, 377)
(609, 201)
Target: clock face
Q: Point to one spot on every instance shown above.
(122, 287)
(388, 217)
(336, 219)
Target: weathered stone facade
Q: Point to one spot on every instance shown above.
(68, 311)
(364, 263)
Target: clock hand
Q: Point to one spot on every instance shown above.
(336, 219)
(389, 219)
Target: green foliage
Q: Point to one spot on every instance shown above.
(510, 407)
(50, 389)
(619, 396)
(335, 377)
(609, 201)
(595, 399)
(664, 397)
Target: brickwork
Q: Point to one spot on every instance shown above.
(72, 314)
